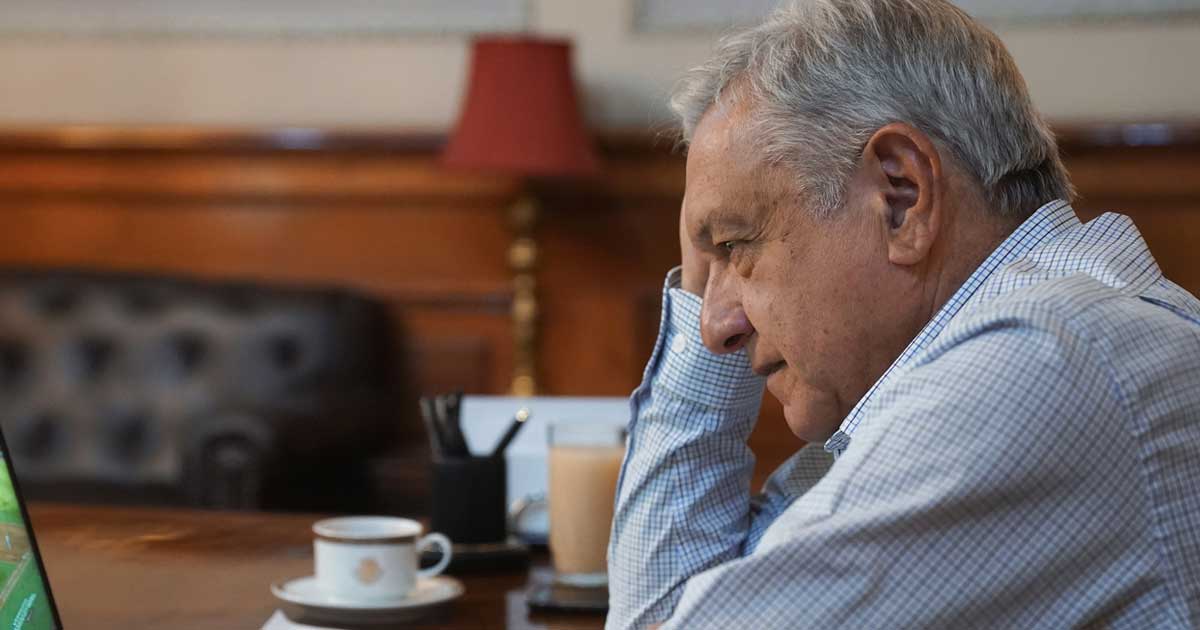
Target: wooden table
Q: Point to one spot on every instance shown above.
(123, 568)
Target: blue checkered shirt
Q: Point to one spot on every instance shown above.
(1031, 460)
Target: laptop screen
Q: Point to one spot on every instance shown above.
(25, 602)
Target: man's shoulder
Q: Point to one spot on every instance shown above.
(1026, 369)
(1078, 308)
(1043, 336)
(1062, 310)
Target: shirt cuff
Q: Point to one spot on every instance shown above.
(687, 368)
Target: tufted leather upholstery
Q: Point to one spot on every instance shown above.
(144, 389)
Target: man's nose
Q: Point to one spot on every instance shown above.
(723, 323)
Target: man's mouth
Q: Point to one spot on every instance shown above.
(767, 369)
(776, 385)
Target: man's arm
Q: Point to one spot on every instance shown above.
(995, 486)
(683, 500)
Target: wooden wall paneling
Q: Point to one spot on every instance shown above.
(374, 211)
(274, 176)
(1134, 173)
(464, 345)
(596, 263)
(378, 250)
(431, 245)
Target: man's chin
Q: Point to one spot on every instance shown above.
(808, 422)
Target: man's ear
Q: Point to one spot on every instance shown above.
(905, 170)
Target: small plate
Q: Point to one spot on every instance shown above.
(315, 605)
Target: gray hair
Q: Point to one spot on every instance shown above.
(823, 75)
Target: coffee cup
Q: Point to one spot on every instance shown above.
(365, 558)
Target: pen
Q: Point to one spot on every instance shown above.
(454, 425)
(435, 438)
(453, 442)
(518, 422)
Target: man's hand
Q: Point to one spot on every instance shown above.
(694, 275)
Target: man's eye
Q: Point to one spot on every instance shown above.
(728, 246)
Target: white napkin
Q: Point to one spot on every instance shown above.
(279, 621)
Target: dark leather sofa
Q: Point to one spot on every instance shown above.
(140, 389)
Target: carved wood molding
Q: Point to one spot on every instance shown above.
(200, 139)
(397, 181)
(402, 141)
(493, 302)
(398, 168)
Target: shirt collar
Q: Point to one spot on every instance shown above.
(1044, 224)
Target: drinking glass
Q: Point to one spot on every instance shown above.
(584, 461)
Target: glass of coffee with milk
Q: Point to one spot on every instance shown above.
(584, 462)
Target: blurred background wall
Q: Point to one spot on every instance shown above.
(1090, 70)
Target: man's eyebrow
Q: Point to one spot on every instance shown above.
(723, 219)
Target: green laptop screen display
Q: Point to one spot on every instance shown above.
(23, 601)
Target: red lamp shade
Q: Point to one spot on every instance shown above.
(521, 113)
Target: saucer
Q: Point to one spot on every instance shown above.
(315, 605)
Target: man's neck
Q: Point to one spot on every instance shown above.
(971, 237)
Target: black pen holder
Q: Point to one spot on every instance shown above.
(470, 499)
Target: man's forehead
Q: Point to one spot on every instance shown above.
(720, 179)
(730, 188)
(734, 213)
(719, 129)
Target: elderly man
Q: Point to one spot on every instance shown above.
(1002, 403)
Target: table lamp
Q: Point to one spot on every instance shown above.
(521, 118)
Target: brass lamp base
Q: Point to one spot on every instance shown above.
(522, 260)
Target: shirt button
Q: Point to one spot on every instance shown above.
(679, 344)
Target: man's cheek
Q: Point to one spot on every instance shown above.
(764, 312)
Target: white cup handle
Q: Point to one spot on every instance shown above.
(522, 505)
(434, 540)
